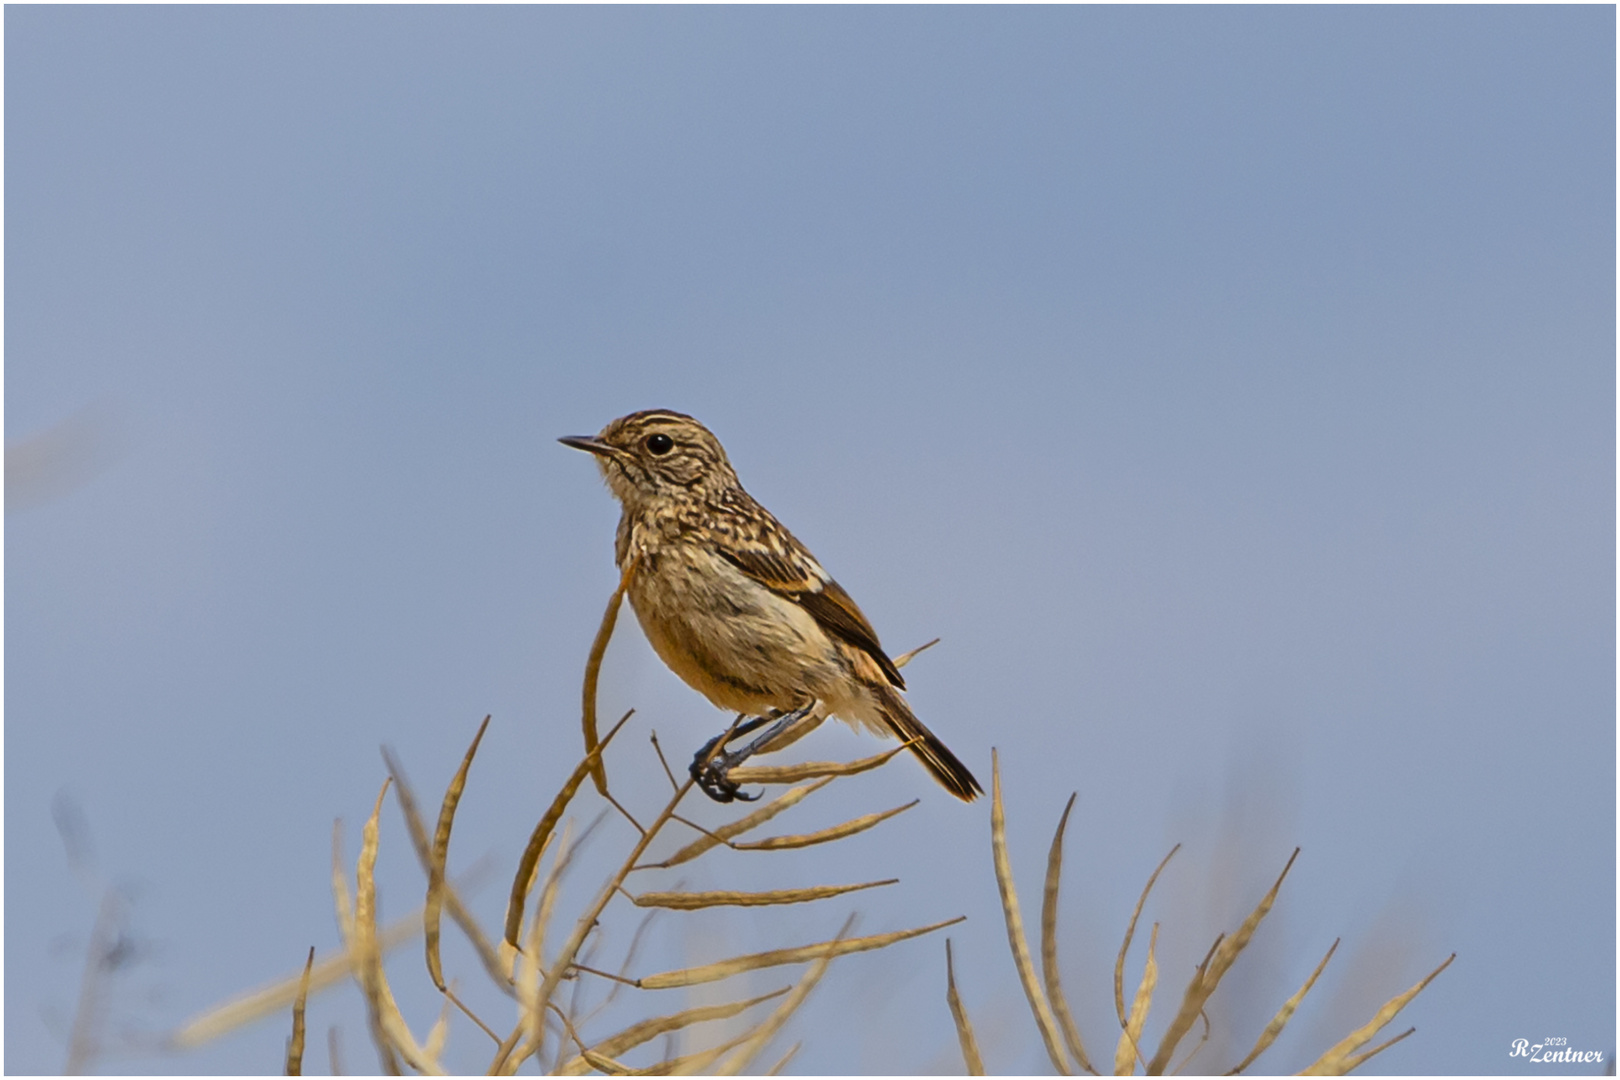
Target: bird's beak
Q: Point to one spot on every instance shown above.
(589, 443)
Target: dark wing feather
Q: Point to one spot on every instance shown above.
(780, 563)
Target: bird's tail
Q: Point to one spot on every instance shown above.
(951, 773)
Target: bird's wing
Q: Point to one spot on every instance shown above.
(773, 557)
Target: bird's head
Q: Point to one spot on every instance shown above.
(656, 454)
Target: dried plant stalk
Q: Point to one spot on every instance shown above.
(593, 671)
(508, 1060)
(839, 946)
(1049, 956)
(709, 840)
(499, 972)
(1337, 1061)
(810, 770)
(542, 832)
(1130, 932)
(83, 1044)
(1209, 974)
(604, 1064)
(781, 1062)
(824, 836)
(636, 1034)
(1044, 1020)
(1130, 1039)
(693, 1064)
(272, 998)
(440, 1031)
(387, 1023)
(440, 855)
(691, 901)
(1284, 1014)
(1355, 1062)
(767, 1030)
(964, 1026)
(907, 657)
(295, 1043)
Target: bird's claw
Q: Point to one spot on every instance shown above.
(711, 770)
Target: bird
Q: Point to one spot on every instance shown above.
(737, 607)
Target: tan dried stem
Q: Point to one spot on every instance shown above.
(647, 1030)
(1339, 1060)
(295, 1042)
(1355, 1062)
(1130, 933)
(1044, 1020)
(593, 671)
(243, 1009)
(509, 1062)
(959, 1016)
(839, 946)
(440, 855)
(1208, 975)
(451, 899)
(1049, 947)
(1284, 1014)
(691, 901)
(712, 839)
(84, 1044)
(1129, 1049)
(388, 1025)
(781, 1062)
(823, 836)
(542, 832)
(766, 1031)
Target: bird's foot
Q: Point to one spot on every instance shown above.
(710, 769)
(712, 764)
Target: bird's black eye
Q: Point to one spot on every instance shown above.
(659, 443)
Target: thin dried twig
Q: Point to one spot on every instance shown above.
(1049, 952)
(1338, 1060)
(440, 855)
(542, 832)
(295, 1043)
(387, 1024)
(1130, 932)
(83, 1042)
(781, 1062)
(964, 1026)
(766, 1031)
(500, 973)
(646, 1030)
(1044, 1020)
(823, 836)
(272, 998)
(722, 835)
(907, 657)
(839, 946)
(593, 671)
(1129, 1050)
(510, 1058)
(1209, 974)
(1355, 1063)
(1284, 1014)
(440, 1031)
(691, 901)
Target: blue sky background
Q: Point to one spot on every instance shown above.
(1233, 391)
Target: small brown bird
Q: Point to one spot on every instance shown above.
(736, 606)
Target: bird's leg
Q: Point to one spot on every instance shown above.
(712, 763)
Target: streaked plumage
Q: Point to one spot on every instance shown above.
(732, 602)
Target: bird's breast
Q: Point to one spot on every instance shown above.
(727, 636)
